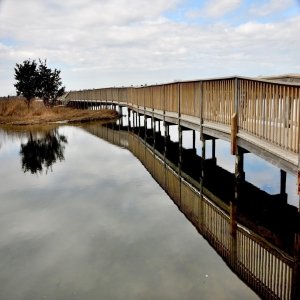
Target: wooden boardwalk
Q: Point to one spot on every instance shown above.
(267, 112)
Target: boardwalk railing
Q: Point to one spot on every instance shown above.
(270, 111)
(268, 270)
(267, 110)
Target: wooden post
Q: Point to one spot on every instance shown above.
(202, 175)
(234, 130)
(120, 122)
(121, 114)
(282, 182)
(139, 124)
(179, 160)
(194, 139)
(201, 179)
(153, 132)
(239, 167)
(213, 149)
(239, 178)
(137, 119)
(203, 148)
(145, 128)
(179, 148)
(203, 156)
(165, 140)
(133, 117)
(129, 120)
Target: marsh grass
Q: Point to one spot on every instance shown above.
(16, 112)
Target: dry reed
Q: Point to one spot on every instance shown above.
(17, 112)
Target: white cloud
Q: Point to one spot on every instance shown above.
(110, 43)
(271, 7)
(217, 8)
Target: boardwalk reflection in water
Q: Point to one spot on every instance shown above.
(255, 232)
(94, 230)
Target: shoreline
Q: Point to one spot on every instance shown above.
(66, 121)
(39, 115)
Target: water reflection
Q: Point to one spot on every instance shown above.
(40, 153)
(259, 172)
(258, 235)
(100, 229)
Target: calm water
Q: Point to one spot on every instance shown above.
(257, 171)
(90, 222)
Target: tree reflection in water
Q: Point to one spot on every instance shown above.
(42, 152)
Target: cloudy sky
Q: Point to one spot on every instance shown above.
(99, 43)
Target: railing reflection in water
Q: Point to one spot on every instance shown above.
(268, 270)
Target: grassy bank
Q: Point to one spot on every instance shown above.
(15, 112)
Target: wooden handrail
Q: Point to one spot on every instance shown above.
(266, 109)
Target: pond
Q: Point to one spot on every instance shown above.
(81, 218)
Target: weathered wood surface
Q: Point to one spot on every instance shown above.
(266, 110)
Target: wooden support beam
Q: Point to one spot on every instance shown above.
(180, 148)
(145, 127)
(202, 175)
(282, 182)
(180, 159)
(239, 178)
(234, 130)
(153, 123)
(139, 124)
(129, 120)
(121, 115)
(133, 112)
(239, 168)
(194, 139)
(203, 155)
(165, 139)
(213, 148)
